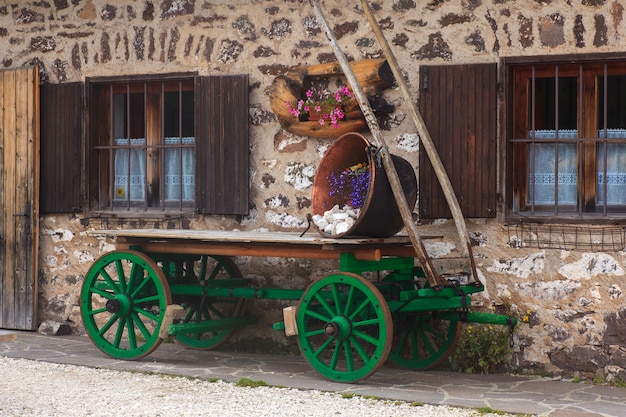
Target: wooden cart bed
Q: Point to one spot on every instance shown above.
(239, 243)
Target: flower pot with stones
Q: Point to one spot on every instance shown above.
(363, 205)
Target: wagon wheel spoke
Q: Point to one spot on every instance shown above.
(209, 269)
(423, 341)
(123, 302)
(344, 327)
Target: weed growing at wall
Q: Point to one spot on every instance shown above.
(482, 348)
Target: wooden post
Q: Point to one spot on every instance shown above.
(433, 278)
(422, 131)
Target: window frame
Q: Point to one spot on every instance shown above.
(587, 123)
(220, 117)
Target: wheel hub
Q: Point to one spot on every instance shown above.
(122, 304)
(338, 327)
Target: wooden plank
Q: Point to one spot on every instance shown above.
(34, 177)
(3, 199)
(252, 249)
(21, 249)
(237, 243)
(247, 236)
(9, 265)
(153, 134)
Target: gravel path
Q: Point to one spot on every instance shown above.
(30, 388)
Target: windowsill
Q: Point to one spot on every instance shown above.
(141, 214)
(566, 218)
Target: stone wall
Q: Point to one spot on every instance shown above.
(571, 302)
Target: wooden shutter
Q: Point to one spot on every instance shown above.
(222, 144)
(458, 104)
(61, 135)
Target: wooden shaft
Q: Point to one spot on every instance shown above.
(425, 138)
(390, 169)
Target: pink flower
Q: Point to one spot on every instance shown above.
(328, 105)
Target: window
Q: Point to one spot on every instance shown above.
(149, 147)
(147, 137)
(568, 139)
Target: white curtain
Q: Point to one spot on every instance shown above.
(179, 178)
(130, 176)
(543, 170)
(615, 176)
(179, 170)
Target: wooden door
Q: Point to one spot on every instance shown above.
(19, 197)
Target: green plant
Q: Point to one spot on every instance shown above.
(618, 383)
(247, 382)
(482, 348)
(599, 379)
(489, 410)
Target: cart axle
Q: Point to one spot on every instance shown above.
(209, 326)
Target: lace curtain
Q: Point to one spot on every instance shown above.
(544, 176)
(130, 176)
(615, 177)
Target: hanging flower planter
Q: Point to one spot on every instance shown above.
(352, 193)
(324, 107)
(288, 95)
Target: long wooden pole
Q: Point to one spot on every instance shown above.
(422, 131)
(390, 169)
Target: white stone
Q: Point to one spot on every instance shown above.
(341, 228)
(590, 265)
(340, 216)
(321, 223)
(534, 263)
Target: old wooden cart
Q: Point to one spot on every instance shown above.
(184, 284)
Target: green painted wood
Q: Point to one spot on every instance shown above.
(123, 302)
(344, 327)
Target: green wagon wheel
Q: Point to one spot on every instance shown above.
(208, 269)
(123, 301)
(344, 327)
(422, 341)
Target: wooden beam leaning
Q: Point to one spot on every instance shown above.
(425, 138)
(433, 278)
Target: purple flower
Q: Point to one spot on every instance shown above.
(351, 185)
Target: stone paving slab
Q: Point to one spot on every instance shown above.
(514, 394)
